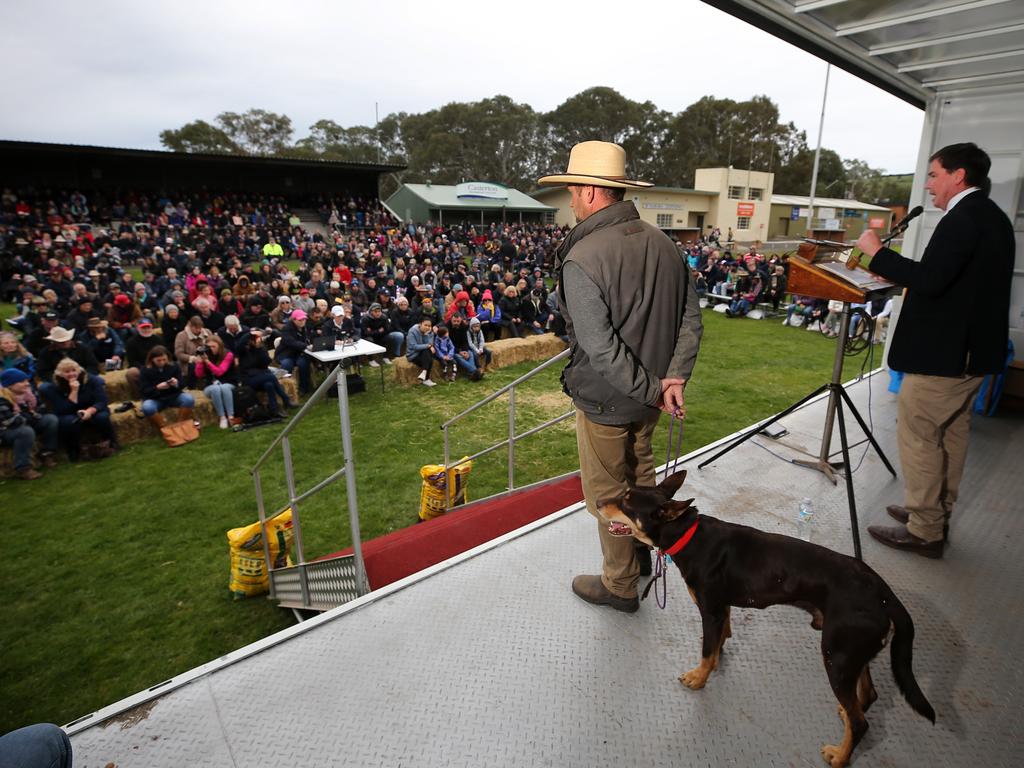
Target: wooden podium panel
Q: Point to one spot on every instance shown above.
(817, 271)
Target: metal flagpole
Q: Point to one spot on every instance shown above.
(817, 153)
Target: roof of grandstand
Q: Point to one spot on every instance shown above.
(78, 149)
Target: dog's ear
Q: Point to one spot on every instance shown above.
(670, 510)
(672, 483)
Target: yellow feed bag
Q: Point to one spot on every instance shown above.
(437, 482)
(248, 569)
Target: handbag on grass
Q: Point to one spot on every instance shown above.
(179, 433)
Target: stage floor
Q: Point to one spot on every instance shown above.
(490, 660)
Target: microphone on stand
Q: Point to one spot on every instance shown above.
(896, 231)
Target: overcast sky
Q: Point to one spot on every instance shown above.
(117, 73)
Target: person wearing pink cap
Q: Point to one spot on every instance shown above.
(489, 316)
(295, 340)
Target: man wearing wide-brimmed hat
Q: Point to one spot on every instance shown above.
(634, 326)
(61, 344)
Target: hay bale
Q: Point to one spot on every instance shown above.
(504, 352)
(118, 390)
(132, 429)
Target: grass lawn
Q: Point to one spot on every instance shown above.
(117, 571)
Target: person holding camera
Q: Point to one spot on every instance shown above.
(21, 424)
(215, 370)
(187, 342)
(78, 399)
(163, 387)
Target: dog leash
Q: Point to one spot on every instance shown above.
(672, 460)
(663, 558)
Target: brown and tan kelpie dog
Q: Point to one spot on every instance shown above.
(733, 565)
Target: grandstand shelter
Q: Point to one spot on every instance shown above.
(41, 166)
(474, 202)
(728, 198)
(843, 219)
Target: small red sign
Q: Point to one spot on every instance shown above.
(744, 209)
(876, 223)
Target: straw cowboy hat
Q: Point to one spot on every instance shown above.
(60, 335)
(597, 164)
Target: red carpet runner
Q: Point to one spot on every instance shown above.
(406, 551)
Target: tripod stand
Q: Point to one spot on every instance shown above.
(837, 396)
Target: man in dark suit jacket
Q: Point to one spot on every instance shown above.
(952, 332)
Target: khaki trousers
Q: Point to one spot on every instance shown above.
(934, 428)
(613, 457)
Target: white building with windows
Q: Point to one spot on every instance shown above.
(727, 198)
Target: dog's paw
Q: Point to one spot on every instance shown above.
(834, 756)
(695, 678)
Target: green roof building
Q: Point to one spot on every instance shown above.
(473, 202)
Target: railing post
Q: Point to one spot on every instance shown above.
(362, 581)
(512, 439)
(289, 476)
(263, 530)
(447, 458)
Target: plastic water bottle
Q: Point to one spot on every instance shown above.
(805, 519)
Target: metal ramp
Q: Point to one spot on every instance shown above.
(489, 659)
(337, 578)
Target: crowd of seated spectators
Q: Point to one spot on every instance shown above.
(194, 292)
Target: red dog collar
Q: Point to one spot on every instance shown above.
(683, 541)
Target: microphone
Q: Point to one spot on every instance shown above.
(917, 211)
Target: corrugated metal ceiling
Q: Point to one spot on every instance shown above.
(912, 48)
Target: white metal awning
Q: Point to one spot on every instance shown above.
(911, 48)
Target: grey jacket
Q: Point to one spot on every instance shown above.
(631, 312)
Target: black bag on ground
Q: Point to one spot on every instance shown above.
(248, 406)
(354, 383)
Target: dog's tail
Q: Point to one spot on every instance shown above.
(901, 655)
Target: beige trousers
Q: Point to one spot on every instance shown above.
(613, 457)
(934, 428)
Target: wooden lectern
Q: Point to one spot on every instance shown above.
(818, 271)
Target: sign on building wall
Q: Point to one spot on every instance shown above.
(876, 223)
(744, 209)
(481, 189)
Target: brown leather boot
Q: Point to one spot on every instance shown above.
(900, 515)
(185, 414)
(157, 420)
(593, 590)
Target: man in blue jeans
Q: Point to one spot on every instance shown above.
(20, 425)
(35, 746)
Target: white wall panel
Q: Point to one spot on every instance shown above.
(993, 118)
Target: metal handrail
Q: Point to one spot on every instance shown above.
(510, 441)
(293, 422)
(498, 392)
(335, 378)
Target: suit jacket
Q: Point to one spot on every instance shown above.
(955, 318)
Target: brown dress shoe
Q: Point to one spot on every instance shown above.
(900, 514)
(898, 537)
(593, 590)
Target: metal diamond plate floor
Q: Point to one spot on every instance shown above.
(493, 662)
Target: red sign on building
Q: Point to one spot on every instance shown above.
(744, 209)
